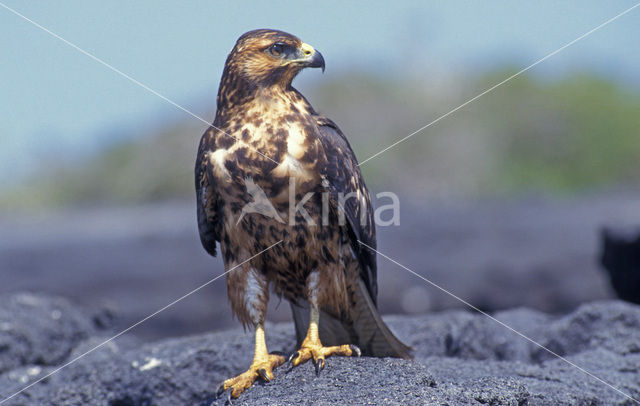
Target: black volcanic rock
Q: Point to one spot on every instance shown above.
(38, 330)
(461, 359)
(621, 259)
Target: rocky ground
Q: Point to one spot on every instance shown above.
(461, 358)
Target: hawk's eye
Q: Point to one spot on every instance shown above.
(277, 49)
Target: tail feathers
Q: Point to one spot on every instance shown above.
(366, 330)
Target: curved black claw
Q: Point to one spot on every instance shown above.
(222, 390)
(355, 349)
(319, 364)
(282, 354)
(294, 355)
(263, 374)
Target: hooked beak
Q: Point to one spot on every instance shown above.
(311, 58)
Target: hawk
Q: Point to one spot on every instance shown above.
(267, 140)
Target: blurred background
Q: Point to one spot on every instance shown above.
(501, 202)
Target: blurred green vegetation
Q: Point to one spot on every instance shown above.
(576, 134)
(568, 135)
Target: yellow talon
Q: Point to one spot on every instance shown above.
(312, 348)
(262, 366)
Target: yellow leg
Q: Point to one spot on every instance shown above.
(263, 365)
(312, 348)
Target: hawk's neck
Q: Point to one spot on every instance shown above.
(272, 102)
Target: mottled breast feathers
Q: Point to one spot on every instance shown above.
(334, 162)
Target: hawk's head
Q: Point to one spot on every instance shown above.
(269, 57)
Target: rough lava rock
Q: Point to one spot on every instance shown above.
(40, 331)
(621, 258)
(461, 358)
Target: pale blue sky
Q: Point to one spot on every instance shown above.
(54, 100)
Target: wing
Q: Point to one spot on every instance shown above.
(207, 199)
(341, 170)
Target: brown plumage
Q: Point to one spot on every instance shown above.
(267, 137)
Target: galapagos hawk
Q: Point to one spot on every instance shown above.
(268, 141)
